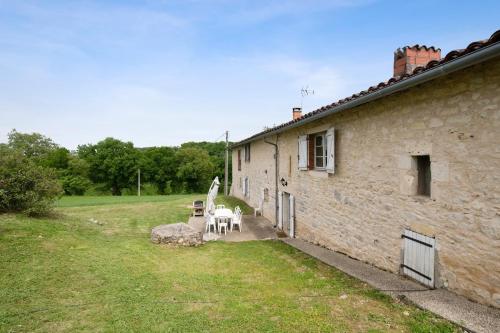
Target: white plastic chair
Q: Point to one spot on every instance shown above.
(210, 221)
(222, 223)
(236, 219)
(258, 210)
(220, 207)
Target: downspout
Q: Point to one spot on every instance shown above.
(276, 176)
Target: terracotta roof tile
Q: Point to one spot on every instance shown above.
(495, 37)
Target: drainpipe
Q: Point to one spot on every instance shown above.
(276, 176)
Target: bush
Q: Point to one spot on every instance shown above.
(75, 185)
(25, 186)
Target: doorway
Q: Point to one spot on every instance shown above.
(287, 213)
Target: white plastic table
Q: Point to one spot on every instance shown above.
(224, 212)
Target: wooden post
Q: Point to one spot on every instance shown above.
(139, 182)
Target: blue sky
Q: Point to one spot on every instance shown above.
(166, 72)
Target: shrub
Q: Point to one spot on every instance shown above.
(25, 186)
(75, 185)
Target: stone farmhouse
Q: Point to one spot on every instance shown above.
(404, 175)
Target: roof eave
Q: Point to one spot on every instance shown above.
(473, 58)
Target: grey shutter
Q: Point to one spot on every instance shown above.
(330, 149)
(302, 150)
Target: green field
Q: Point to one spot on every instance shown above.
(91, 267)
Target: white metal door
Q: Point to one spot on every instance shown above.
(418, 262)
(280, 210)
(291, 216)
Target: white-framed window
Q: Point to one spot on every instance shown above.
(316, 151)
(320, 151)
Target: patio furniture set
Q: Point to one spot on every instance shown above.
(222, 218)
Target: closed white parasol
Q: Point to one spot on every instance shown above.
(212, 194)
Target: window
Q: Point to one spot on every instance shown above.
(247, 152)
(239, 159)
(317, 151)
(320, 152)
(246, 187)
(423, 164)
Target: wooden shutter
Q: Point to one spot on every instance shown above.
(244, 189)
(330, 149)
(310, 151)
(292, 216)
(302, 150)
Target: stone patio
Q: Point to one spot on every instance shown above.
(254, 228)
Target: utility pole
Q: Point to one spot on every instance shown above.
(139, 182)
(226, 167)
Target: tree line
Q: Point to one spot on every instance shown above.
(111, 166)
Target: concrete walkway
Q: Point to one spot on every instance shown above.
(472, 316)
(253, 228)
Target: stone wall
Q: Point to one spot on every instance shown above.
(261, 173)
(362, 209)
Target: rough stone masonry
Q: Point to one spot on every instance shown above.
(176, 234)
(362, 209)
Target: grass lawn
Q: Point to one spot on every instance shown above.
(68, 273)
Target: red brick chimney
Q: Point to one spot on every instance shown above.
(296, 113)
(410, 57)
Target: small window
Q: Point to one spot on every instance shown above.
(246, 187)
(239, 159)
(247, 152)
(320, 152)
(423, 164)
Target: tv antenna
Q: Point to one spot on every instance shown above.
(305, 91)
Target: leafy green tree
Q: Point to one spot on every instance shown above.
(34, 146)
(74, 179)
(216, 152)
(57, 158)
(78, 166)
(195, 169)
(159, 166)
(24, 185)
(111, 162)
(74, 185)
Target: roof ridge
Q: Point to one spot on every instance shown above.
(423, 46)
(494, 38)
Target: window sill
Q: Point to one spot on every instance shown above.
(422, 198)
(318, 173)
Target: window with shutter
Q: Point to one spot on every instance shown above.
(239, 159)
(320, 151)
